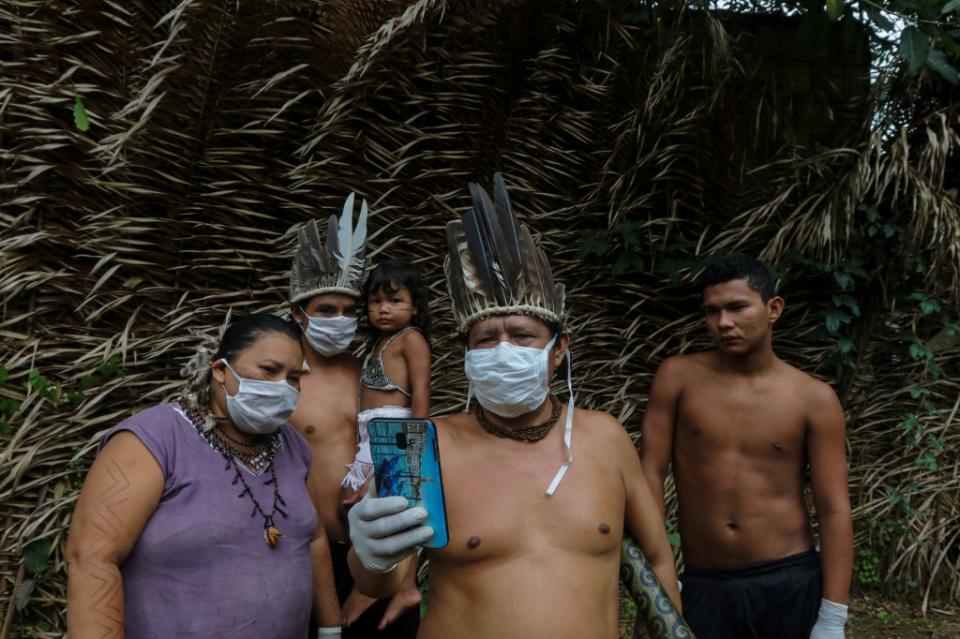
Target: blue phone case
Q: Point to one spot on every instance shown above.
(406, 462)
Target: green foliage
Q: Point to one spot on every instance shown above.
(915, 49)
(76, 468)
(673, 535)
(920, 34)
(866, 567)
(8, 407)
(883, 616)
(47, 389)
(36, 556)
(620, 247)
(80, 119)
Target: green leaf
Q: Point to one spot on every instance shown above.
(593, 243)
(109, 366)
(627, 263)
(910, 423)
(80, 115)
(629, 231)
(834, 9)
(929, 306)
(846, 346)
(5, 429)
(9, 406)
(845, 280)
(914, 47)
(36, 556)
(842, 299)
(937, 443)
(920, 351)
(53, 394)
(4, 374)
(917, 391)
(37, 381)
(950, 6)
(937, 61)
(927, 461)
(879, 19)
(833, 318)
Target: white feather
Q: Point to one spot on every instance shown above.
(345, 249)
(356, 261)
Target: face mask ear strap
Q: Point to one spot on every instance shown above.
(466, 408)
(567, 428)
(228, 367)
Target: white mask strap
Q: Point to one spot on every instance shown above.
(567, 428)
(466, 408)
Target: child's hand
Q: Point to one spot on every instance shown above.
(348, 496)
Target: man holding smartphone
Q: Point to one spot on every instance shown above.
(534, 537)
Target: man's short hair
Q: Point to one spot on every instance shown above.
(759, 277)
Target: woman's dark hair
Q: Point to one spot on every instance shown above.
(239, 336)
(759, 277)
(245, 331)
(390, 276)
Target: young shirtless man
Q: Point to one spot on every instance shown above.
(534, 540)
(324, 295)
(741, 427)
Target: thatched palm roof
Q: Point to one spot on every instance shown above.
(217, 127)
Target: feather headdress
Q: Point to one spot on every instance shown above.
(493, 266)
(339, 266)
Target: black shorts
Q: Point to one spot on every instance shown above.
(366, 626)
(770, 600)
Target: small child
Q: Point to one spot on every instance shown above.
(395, 379)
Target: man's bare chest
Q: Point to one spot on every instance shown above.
(327, 414)
(498, 508)
(764, 421)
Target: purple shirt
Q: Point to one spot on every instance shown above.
(201, 567)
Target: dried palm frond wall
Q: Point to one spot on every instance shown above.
(216, 127)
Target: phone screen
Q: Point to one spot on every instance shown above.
(406, 460)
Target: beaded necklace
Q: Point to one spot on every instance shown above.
(533, 433)
(257, 458)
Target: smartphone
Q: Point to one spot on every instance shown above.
(406, 462)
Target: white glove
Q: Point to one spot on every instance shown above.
(329, 632)
(384, 531)
(830, 621)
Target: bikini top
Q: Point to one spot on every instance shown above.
(372, 374)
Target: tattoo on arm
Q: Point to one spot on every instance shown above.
(106, 599)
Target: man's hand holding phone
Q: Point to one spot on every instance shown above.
(384, 531)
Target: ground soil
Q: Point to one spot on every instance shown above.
(873, 618)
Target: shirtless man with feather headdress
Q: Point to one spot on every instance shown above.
(534, 535)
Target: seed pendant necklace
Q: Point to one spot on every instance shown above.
(257, 458)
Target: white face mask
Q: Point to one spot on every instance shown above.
(516, 377)
(509, 380)
(330, 336)
(260, 407)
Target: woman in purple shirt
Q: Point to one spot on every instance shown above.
(194, 520)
